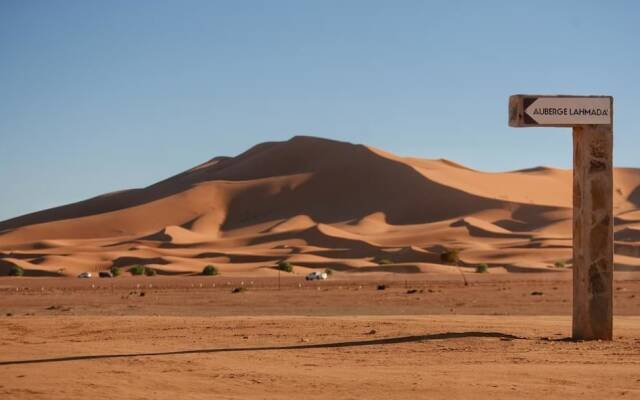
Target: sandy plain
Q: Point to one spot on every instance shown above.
(427, 337)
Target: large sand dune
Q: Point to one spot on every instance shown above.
(319, 203)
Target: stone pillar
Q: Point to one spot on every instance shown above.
(592, 232)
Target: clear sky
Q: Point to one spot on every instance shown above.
(97, 96)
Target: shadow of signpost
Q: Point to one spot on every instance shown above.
(354, 343)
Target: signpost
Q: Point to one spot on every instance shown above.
(591, 118)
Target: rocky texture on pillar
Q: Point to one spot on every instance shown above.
(593, 232)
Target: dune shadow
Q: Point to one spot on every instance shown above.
(355, 343)
(6, 265)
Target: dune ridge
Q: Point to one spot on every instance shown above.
(318, 202)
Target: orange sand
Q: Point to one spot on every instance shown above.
(319, 203)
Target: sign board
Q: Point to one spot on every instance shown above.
(591, 118)
(561, 111)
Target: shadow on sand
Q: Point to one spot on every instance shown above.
(355, 343)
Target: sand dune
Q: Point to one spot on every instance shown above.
(297, 223)
(319, 203)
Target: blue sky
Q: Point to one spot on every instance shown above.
(98, 96)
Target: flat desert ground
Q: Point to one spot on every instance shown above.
(424, 336)
(371, 217)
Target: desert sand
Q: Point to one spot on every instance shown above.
(319, 203)
(430, 337)
(436, 331)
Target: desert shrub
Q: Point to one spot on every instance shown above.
(116, 271)
(559, 264)
(384, 261)
(210, 270)
(285, 266)
(328, 271)
(451, 256)
(482, 268)
(137, 270)
(16, 271)
(150, 272)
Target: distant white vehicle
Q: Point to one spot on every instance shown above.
(85, 275)
(316, 276)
